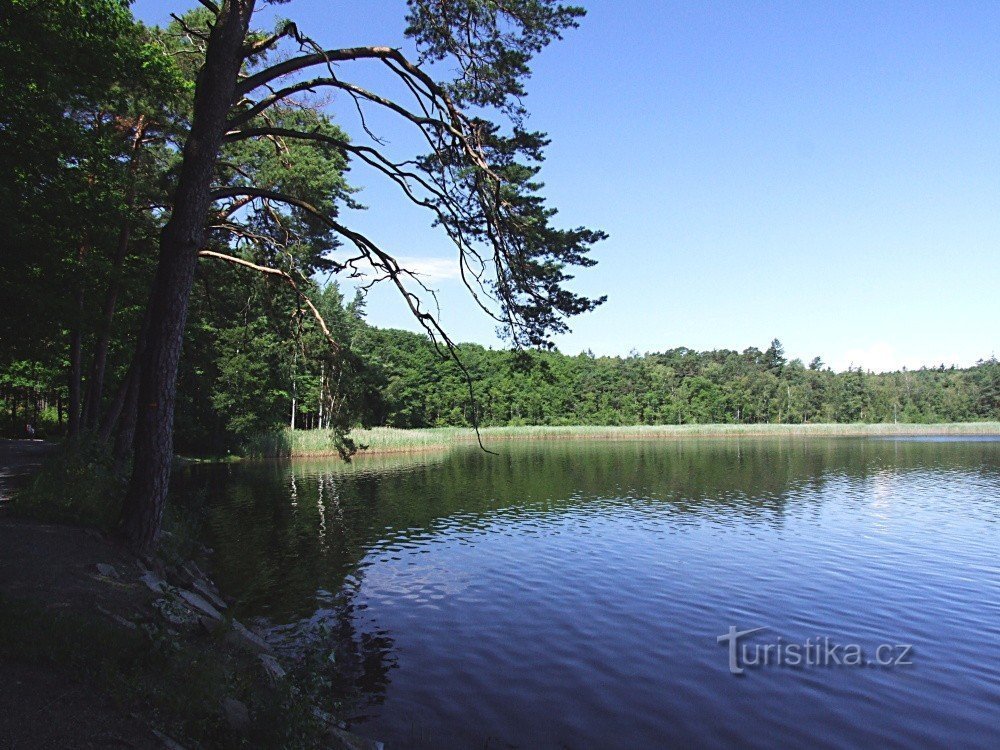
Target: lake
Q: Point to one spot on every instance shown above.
(572, 594)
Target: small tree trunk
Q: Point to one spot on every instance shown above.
(114, 412)
(75, 353)
(125, 438)
(295, 357)
(126, 397)
(322, 391)
(95, 383)
(180, 241)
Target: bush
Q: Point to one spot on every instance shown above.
(76, 485)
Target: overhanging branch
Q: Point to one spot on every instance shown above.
(378, 258)
(337, 348)
(304, 61)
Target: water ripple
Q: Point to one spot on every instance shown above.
(571, 596)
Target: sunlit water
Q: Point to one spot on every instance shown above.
(571, 594)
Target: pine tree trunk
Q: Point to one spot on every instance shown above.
(110, 419)
(295, 359)
(123, 405)
(180, 241)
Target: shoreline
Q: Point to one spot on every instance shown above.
(140, 651)
(380, 441)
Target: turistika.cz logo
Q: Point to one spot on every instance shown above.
(821, 651)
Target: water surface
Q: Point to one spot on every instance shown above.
(571, 594)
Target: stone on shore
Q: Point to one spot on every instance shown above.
(236, 715)
(108, 571)
(242, 636)
(175, 613)
(345, 740)
(272, 669)
(199, 604)
(153, 582)
(205, 589)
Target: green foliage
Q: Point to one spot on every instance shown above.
(249, 390)
(76, 80)
(77, 485)
(491, 42)
(677, 386)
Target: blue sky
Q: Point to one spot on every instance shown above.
(827, 173)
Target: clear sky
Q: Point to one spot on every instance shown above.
(824, 173)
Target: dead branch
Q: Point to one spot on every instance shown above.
(337, 348)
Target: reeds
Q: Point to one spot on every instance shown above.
(393, 440)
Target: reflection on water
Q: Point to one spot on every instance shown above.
(570, 594)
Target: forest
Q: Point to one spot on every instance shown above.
(241, 377)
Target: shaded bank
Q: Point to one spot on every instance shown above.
(389, 440)
(115, 650)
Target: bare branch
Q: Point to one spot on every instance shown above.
(337, 348)
(289, 29)
(196, 33)
(443, 206)
(379, 259)
(304, 61)
(210, 5)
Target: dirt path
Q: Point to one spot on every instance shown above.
(18, 460)
(43, 705)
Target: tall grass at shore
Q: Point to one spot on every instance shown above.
(379, 440)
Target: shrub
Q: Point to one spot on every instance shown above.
(77, 485)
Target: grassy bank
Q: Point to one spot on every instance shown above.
(385, 440)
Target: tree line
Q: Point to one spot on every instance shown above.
(242, 376)
(415, 388)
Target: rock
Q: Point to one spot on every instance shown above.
(240, 636)
(341, 738)
(198, 603)
(168, 742)
(106, 570)
(203, 588)
(236, 715)
(322, 716)
(155, 584)
(259, 624)
(192, 571)
(271, 667)
(125, 623)
(211, 626)
(345, 740)
(117, 618)
(175, 613)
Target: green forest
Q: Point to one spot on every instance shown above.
(239, 378)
